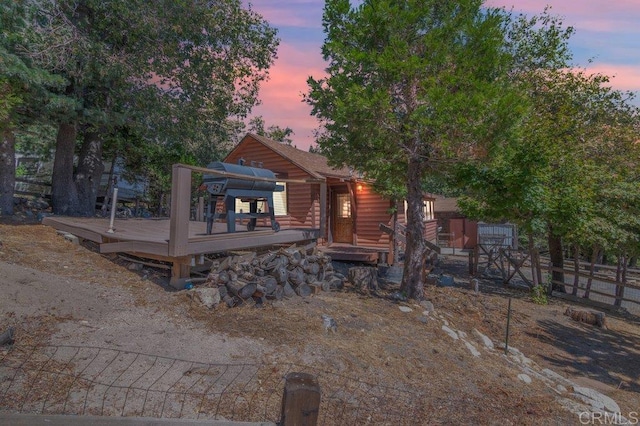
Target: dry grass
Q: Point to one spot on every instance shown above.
(379, 347)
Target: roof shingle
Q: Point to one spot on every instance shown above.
(314, 164)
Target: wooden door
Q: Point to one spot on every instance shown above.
(342, 218)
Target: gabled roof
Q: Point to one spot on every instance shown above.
(445, 204)
(314, 164)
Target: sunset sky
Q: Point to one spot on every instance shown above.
(608, 32)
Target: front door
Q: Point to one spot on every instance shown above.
(342, 218)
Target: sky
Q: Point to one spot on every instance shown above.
(606, 32)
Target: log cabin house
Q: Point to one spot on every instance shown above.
(357, 223)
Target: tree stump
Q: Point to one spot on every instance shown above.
(588, 317)
(364, 277)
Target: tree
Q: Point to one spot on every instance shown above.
(276, 133)
(565, 173)
(25, 93)
(169, 73)
(411, 85)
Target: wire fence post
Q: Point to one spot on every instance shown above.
(506, 338)
(301, 400)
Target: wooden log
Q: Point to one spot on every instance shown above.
(267, 259)
(260, 291)
(274, 264)
(364, 277)
(242, 289)
(293, 255)
(223, 277)
(311, 268)
(280, 274)
(269, 283)
(231, 301)
(223, 291)
(304, 264)
(316, 287)
(589, 317)
(309, 248)
(304, 290)
(336, 283)
(247, 276)
(296, 276)
(224, 264)
(301, 400)
(277, 294)
(288, 291)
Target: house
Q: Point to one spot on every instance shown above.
(455, 230)
(355, 215)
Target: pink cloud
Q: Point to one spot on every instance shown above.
(622, 77)
(282, 95)
(290, 13)
(594, 15)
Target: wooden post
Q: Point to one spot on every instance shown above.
(323, 210)
(179, 221)
(301, 401)
(200, 211)
(476, 259)
(180, 272)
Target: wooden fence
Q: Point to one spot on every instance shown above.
(601, 283)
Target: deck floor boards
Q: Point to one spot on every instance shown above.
(151, 236)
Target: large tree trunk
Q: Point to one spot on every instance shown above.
(7, 170)
(557, 260)
(576, 269)
(621, 278)
(64, 197)
(89, 172)
(592, 270)
(416, 249)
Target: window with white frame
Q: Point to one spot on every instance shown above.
(427, 209)
(279, 203)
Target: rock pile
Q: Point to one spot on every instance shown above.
(279, 274)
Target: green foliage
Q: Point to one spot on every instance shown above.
(410, 87)
(570, 168)
(172, 77)
(276, 133)
(539, 294)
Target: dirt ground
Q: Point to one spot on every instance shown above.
(57, 293)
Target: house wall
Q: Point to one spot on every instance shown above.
(302, 199)
(372, 209)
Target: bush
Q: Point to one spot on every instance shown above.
(539, 294)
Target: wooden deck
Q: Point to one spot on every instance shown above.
(351, 253)
(150, 238)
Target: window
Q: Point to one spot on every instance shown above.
(427, 209)
(344, 206)
(279, 203)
